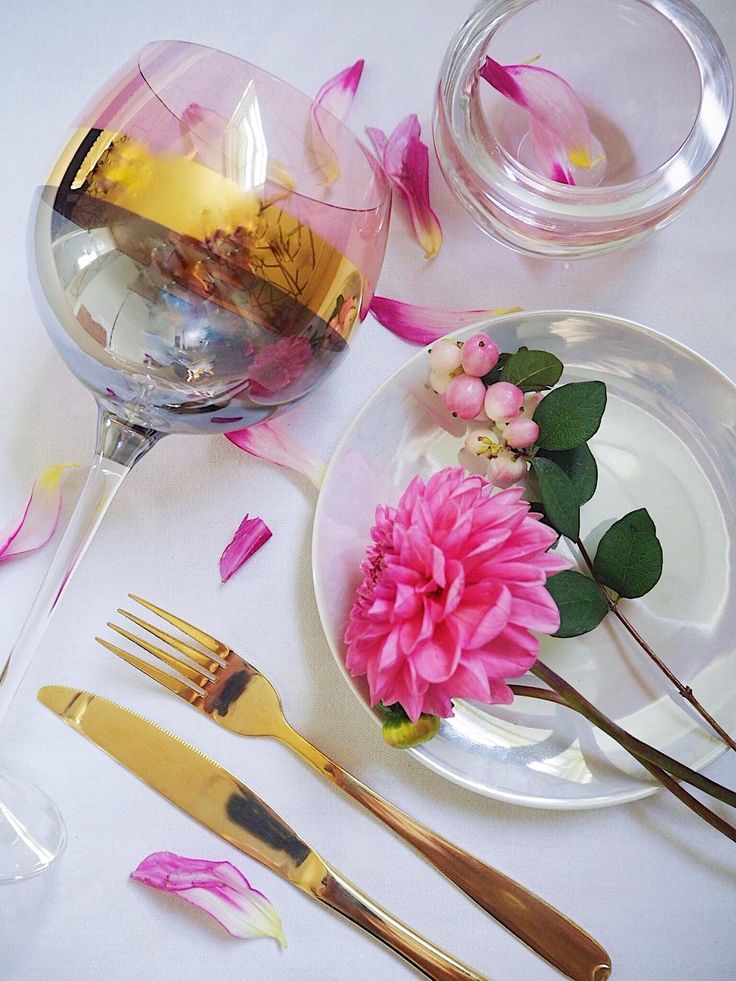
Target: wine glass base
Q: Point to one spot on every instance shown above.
(32, 833)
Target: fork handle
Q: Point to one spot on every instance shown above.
(343, 897)
(550, 933)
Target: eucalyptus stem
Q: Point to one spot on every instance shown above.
(664, 778)
(685, 690)
(641, 750)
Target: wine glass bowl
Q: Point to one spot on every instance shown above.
(655, 80)
(206, 242)
(200, 254)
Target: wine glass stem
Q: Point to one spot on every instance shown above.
(119, 446)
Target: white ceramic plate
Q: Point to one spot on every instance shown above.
(667, 443)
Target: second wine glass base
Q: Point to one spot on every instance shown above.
(32, 833)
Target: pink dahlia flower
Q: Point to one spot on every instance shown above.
(453, 585)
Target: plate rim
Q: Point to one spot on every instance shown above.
(647, 789)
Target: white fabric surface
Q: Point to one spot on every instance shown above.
(649, 880)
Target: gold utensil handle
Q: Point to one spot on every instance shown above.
(550, 933)
(342, 896)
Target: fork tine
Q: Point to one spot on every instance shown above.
(180, 645)
(181, 687)
(199, 677)
(207, 641)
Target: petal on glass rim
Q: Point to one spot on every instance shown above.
(331, 107)
(405, 159)
(252, 533)
(423, 325)
(559, 124)
(37, 523)
(270, 441)
(218, 888)
(337, 94)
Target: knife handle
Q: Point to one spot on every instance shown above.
(550, 933)
(343, 897)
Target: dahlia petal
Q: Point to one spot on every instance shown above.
(454, 592)
(329, 109)
(37, 523)
(536, 610)
(510, 654)
(405, 159)
(407, 602)
(251, 534)
(438, 567)
(500, 693)
(435, 660)
(219, 888)
(271, 441)
(436, 701)
(424, 325)
(523, 573)
(559, 124)
(337, 94)
(499, 605)
(470, 681)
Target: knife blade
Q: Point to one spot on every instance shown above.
(221, 802)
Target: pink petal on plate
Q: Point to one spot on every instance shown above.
(329, 109)
(405, 159)
(38, 520)
(270, 441)
(423, 325)
(251, 534)
(219, 888)
(561, 130)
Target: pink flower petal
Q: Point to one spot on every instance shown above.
(405, 159)
(39, 518)
(330, 108)
(559, 124)
(423, 325)
(251, 534)
(270, 441)
(219, 888)
(337, 94)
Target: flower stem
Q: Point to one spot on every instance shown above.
(664, 778)
(685, 690)
(641, 750)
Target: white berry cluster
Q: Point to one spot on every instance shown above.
(456, 373)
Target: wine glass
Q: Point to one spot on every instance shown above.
(201, 253)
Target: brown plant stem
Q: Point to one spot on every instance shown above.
(664, 778)
(641, 750)
(685, 690)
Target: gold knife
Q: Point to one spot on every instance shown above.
(225, 805)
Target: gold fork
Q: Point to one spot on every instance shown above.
(237, 696)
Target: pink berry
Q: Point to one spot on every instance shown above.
(464, 396)
(444, 356)
(521, 433)
(503, 401)
(505, 469)
(479, 355)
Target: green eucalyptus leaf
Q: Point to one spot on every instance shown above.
(559, 497)
(570, 415)
(581, 604)
(532, 371)
(580, 466)
(629, 556)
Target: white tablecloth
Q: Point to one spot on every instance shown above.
(651, 881)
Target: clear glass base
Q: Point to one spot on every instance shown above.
(32, 833)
